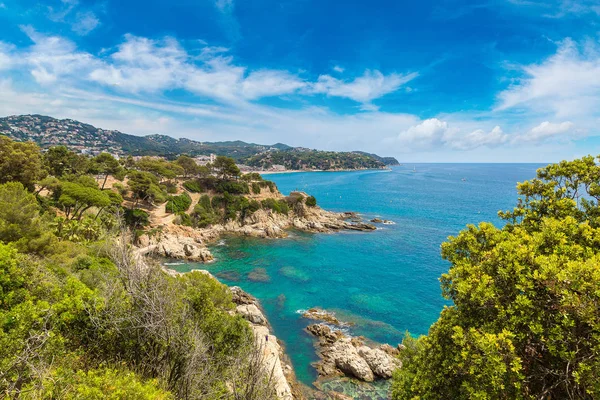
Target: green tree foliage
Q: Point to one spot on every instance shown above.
(177, 204)
(136, 218)
(60, 161)
(193, 186)
(145, 187)
(232, 187)
(20, 162)
(20, 222)
(225, 168)
(525, 321)
(311, 201)
(279, 206)
(106, 165)
(255, 188)
(162, 169)
(188, 164)
(204, 214)
(313, 159)
(76, 198)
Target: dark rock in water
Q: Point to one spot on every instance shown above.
(377, 220)
(233, 276)
(361, 227)
(281, 301)
(319, 314)
(259, 275)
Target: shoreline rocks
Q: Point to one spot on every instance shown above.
(341, 354)
(273, 355)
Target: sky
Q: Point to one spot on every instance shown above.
(424, 81)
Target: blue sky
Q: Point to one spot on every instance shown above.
(446, 81)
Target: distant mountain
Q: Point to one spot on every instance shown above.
(47, 131)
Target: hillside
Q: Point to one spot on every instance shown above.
(47, 131)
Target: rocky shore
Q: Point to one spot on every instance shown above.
(183, 242)
(344, 355)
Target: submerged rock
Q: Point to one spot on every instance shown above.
(259, 275)
(319, 314)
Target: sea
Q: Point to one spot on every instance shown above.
(384, 283)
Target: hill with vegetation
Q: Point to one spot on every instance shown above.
(305, 159)
(48, 131)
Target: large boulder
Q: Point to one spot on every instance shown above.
(251, 313)
(350, 362)
(381, 363)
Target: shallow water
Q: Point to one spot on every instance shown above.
(384, 282)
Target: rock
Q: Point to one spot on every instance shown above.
(325, 334)
(238, 296)
(251, 313)
(376, 220)
(319, 314)
(388, 222)
(381, 363)
(183, 247)
(350, 362)
(361, 226)
(389, 349)
(401, 347)
(259, 275)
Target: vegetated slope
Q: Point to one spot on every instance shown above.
(304, 159)
(47, 131)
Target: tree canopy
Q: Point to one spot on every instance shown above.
(525, 319)
(20, 162)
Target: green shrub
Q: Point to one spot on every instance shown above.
(136, 218)
(253, 206)
(171, 187)
(252, 176)
(232, 187)
(177, 204)
(255, 188)
(279, 206)
(311, 201)
(203, 216)
(184, 219)
(193, 186)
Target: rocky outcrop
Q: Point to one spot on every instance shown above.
(272, 353)
(183, 242)
(182, 247)
(319, 314)
(344, 355)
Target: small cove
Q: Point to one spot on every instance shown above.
(384, 282)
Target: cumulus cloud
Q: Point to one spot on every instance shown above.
(432, 133)
(426, 134)
(547, 130)
(338, 69)
(363, 89)
(566, 84)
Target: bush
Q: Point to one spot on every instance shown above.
(255, 188)
(193, 186)
(232, 187)
(203, 216)
(171, 187)
(252, 176)
(279, 206)
(311, 201)
(136, 218)
(177, 204)
(184, 219)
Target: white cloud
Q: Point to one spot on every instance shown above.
(270, 83)
(6, 58)
(52, 57)
(85, 22)
(547, 130)
(433, 132)
(426, 134)
(476, 139)
(339, 69)
(567, 84)
(372, 85)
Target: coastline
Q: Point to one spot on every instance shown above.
(291, 171)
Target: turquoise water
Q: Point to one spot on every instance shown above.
(386, 281)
